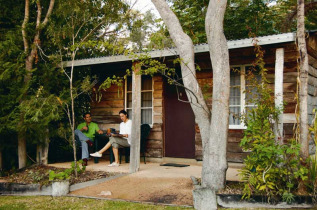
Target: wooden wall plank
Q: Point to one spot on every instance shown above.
(236, 157)
(105, 111)
(154, 144)
(157, 94)
(156, 135)
(116, 103)
(153, 153)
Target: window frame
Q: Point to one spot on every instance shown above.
(243, 105)
(142, 91)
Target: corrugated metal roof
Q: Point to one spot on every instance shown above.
(200, 48)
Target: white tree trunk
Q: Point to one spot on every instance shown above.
(42, 151)
(303, 87)
(278, 89)
(22, 149)
(29, 60)
(214, 156)
(136, 120)
(72, 117)
(214, 134)
(214, 175)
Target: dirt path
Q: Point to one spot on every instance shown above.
(153, 183)
(159, 190)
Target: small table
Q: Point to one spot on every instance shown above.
(100, 141)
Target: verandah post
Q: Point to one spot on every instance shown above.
(136, 120)
(279, 67)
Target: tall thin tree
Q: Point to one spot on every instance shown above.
(214, 140)
(30, 50)
(303, 75)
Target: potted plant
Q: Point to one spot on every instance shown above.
(60, 182)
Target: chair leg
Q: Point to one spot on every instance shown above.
(111, 155)
(127, 154)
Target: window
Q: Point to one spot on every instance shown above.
(241, 93)
(146, 99)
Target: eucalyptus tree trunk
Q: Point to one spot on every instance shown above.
(72, 120)
(219, 56)
(31, 54)
(186, 51)
(303, 63)
(214, 130)
(214, 156)
(42, 150)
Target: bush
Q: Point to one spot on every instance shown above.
(66, 174)
(272, 168)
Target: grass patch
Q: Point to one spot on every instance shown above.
(48, 202)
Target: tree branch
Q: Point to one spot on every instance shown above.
(92, 31)
(82, 25)
(39, 14)
(186, 51)
(49, 12)
(25, 22)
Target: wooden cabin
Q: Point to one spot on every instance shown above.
(174, 132)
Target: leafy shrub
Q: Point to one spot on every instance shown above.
(80, 168)
(64, 175)
(67, 173)
(272, 168)
(311, 184)
(312, 162)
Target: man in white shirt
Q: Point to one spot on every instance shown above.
(123, 139)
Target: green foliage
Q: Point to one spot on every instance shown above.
(40, 110)
(67, 173)
(271, 168)
(141, 27)
(36, 176)
(264, 17)
(80, 168)
(240, 15)
(160, 39)
(311, 183)
(255, 14)
(90, 26)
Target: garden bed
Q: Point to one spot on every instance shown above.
(40, 175)
(231, 197)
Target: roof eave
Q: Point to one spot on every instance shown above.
(233, 44)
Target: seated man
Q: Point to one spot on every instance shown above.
(85, 133)
(123, 139)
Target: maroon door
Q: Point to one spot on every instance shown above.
(179, 124)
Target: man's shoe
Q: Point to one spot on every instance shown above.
(89, 143)
(114, 164)
(96, 154)
(85, 162)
